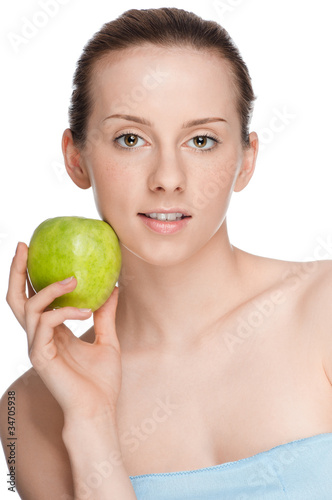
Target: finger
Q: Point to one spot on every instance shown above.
(43, 347)
(16, 296)
(36, 305)
(104, 321)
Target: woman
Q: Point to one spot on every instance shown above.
(207, 373)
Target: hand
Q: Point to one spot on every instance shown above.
(84, 378)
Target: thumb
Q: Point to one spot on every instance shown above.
(104, 321)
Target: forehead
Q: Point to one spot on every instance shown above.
(149, 77)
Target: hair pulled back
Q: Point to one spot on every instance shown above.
(166, 27)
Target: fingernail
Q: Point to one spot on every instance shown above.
(67, 280)
(84, 310)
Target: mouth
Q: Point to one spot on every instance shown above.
(165, 223)
(165, 217)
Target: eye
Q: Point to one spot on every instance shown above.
(204, 142)
(129, 141)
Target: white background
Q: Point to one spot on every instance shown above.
(285, 211)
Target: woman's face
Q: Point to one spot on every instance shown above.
(164, 134)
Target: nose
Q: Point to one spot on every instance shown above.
(167, 172)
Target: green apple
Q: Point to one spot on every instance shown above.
(75, 246)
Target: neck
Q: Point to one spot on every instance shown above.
(174, 307)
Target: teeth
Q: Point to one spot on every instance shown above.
(160, 216)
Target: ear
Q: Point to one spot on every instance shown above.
(248, 163)
(74, 162)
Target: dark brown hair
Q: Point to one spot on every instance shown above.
(166, 27)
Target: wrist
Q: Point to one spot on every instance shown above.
(96, 459)
(98, 416)
(89, 442)
(85, 430)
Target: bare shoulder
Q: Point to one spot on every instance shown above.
(42, 467)
(305, 285)
(287, 276)
(41, 461)
(316, 309)
(305, 289)
(311, 283)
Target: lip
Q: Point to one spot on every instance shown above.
(166, 211)
(164, 227)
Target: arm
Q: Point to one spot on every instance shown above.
(322, 305)
(316, 313)
(83, 379)
(96, 461)
(42, 467)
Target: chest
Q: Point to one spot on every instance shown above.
(252, 388)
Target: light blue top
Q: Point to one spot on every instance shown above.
(299, 470)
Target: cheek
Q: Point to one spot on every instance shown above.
(105, 182)
(226, 176)
(214, 188)
(106, 173)
(113, 185)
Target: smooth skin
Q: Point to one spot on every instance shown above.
(227, 353)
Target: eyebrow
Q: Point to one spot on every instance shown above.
(143, 121)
